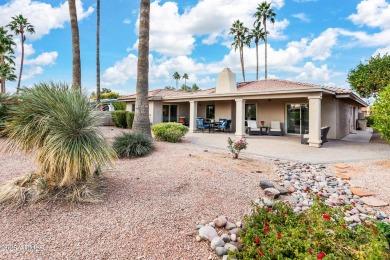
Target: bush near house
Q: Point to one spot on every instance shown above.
(130, 119)
(119, 118)
(132, 145)
(119, 105)
(381, 113)
(317, 233)
(169, 132)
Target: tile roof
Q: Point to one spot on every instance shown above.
(250, 86)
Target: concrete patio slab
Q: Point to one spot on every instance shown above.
(290, 148)
(359, 136)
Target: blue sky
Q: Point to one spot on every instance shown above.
(312, 41)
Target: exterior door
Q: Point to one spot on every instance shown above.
(297, 118)
(169, 113)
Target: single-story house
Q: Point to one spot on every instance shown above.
(300, 107)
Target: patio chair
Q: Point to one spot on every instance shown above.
(224, 126)
(275, 128)
(324, 135)
(221, 120)
(200, 125)
(252, 128)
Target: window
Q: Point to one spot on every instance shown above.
(133, 107)
(250, 111)
(210, 111)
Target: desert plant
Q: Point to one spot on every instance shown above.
(236, 147)
(317, 233)
(132, 145)
(57, 123)
(381, 113)
(129, 119)
(169, 132)
(119, 105)
(119, 118)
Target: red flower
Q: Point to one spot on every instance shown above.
(257, 240)
(311, 230)
(266, 221)
(261, 253)
(285, 213)
(266, 228)
(353, 203)
(265, 232)
(344, 226)
(375, 230)
(326, 216)
(321, 255)
(310, 251)
(269, 209)
(279, 235)
(307, 188)
(271, 249)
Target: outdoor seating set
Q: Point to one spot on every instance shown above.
(221, 125)
(274, 129)
(324, 135)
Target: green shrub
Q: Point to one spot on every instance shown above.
(381, 113)
(129, 119)
(4, 110)
(119, 118)
(119, 105)
(169, 132)
(132, 145)
(319, 232)
(370, 120)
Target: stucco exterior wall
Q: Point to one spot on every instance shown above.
(343, 118)
(155, 112)
(329, 115)
(223, 109)
(129, 106)
(184, 110)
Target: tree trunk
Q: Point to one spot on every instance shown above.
(265, 41)
(242, 62)
(98, 51)
(76, 61)
(21, 64)
(141, 119)
(2, 81)
(257, 60)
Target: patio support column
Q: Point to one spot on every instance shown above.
(315, 121)
(240, 118)
(193, 115)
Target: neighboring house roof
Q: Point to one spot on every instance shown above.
(252, 87)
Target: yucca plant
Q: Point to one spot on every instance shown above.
(132, 145)
(57, 123)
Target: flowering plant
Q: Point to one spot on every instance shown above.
(262, 123)
(320, 232)
(236, 147)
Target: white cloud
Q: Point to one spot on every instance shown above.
(44, 17)
(175, 34)
(121, 71)
(304, 1)
(372, 13)
(302, 16)
(46, 58)
(127, 21)
(320, 47)
(30, 73)
(312, 73)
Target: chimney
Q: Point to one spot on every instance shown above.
(226, 82)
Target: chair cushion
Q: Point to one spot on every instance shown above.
(275, 125)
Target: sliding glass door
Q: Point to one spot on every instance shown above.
(169, 113)
(297, 118)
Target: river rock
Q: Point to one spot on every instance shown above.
(208, 233)
(271, 193)
(217, 242)
(220, 221)
(264, 184)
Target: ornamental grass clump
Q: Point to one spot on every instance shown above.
(235, 147)
(130, 145)
(317, 233)
(169, 132)
(57, 124)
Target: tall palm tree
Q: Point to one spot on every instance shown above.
(98, 51)
(177, 77)
(185, 77)
(241, 38)
(6, 58)
(141, 122)
(76, 60)
(263, 13)
(20, 25)
(257, 33)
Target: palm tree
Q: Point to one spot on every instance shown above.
(241, 38)
(177, 77)
(141, 122)
(263, 13)
(6, 58)
(98, 51)
(185, 77)
(257, 34)
(20, 25)
(194, 88)
(76, 60)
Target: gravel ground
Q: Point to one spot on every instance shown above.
(151, 205)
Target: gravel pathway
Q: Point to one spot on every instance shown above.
(150, 209)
